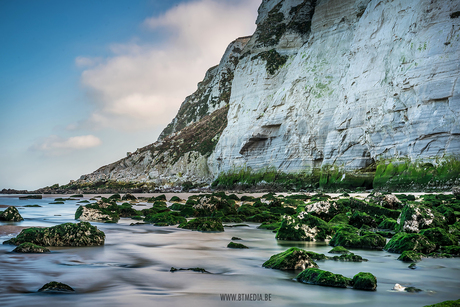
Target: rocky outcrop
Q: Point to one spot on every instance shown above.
(304, 227)
(415, 217)
(292, 259)
(68, 234)
(11, 214)
(363, 88)
(323, 278)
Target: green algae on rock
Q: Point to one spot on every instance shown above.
(415, 217)
(349, 236)
(236, 245)
(68, 234)
(28, 247)
(409, 242)
(323, 278)
(305, 227)
(56, 287)
(291, 259)
(410, 256)
(364, 281)
(165, 218)
(203, 224)
(11, 214)
(439, 237)
(446, 303)
(339, 250)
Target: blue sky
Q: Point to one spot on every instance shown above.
(84, 82)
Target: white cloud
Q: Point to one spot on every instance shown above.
(55, 145)
(142, 85)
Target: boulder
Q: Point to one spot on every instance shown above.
(358, 219)
(409, 242)
(364, 281)
(105, 210)
(349, 258)
(165, 218)
(388, 201)
(11, 214)
(388, 223)
(339, 250)
(325, 210)
(128, 196)
(323, 278)
(348, 236)
(410, 256)
(56, 287)
(203, 224)
(291, 259)
(415, 217)
(304, 227)
(30, 248)
(68, 234)
(439, 237)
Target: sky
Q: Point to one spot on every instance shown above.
(84, 82)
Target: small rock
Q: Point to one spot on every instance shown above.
(412, 266)
(56, 287)
(11, 214)
(398, 287)
(236, 245)
(236, 238)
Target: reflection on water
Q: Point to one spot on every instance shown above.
(133, 269)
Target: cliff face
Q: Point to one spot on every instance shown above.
(332, 82)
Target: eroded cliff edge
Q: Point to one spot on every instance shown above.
(331, 85)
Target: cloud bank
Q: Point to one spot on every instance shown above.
(142, 85)
(55, 145)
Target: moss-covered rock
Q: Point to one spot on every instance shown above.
(105, 210)
(446, 304)
(439, 237)
(409, 242)
(30, 248)
(325, 210)
(323, 278)
(56, 287)
(388, 223)
(358, 219)
(388, 201)
(351, 237)
(236, 245)
(203, 224)
(453, 250)
(415, 217)
(339, 250)
(68, 234)
(165, 219)
(11, 214)
(349, 258)
(128, 196)
(364, 281)
(291, 259)
(270, 226)
(410, 256)
(175, 198)
(305, 227)
(340, 219)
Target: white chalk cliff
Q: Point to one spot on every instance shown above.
(326, 82)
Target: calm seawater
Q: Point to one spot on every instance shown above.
(132, 268)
